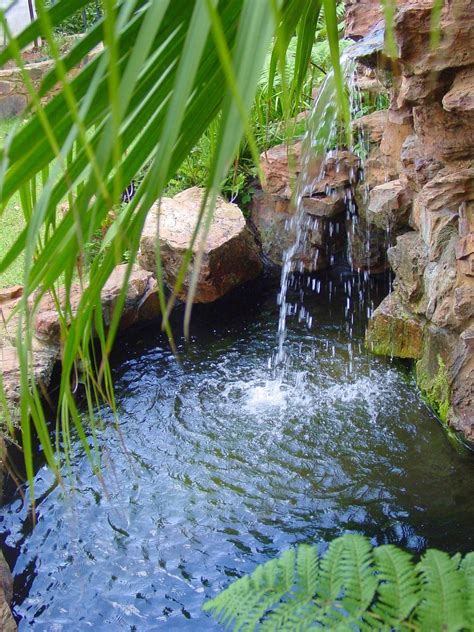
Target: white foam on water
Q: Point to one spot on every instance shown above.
(270, 395)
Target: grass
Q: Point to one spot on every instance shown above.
(11, 222)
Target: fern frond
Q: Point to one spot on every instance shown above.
(359, 581)
(352, 587)
(245, 602)
(307, 566)
(442, 605)
(398, 590)
(300, 606)
(467, 568)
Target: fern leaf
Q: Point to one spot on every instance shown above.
(398, 584)
(307, 566)
(243, 604)
(290, 614)
(359, 581)
(442, 606)
(467, 568)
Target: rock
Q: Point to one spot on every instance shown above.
(461, 411)
(12, 105)
(6, 87)
(373, 124)
(435, 367)
(45, 357)
(141, 303)
(370, 80)
(398, 126)
(417, 168)
(413, 35)
(465, 246)
(460, 97)
(422, 89)
(464, 303)
(231, 254)
(389, 206)
(324, 233)
(10, 293)
(377, 171)
(393, 331)
(408, 259)
(445, 135)
(439, 282)
(437, 208)
(325, 206)
(281, 166)
(7, 622)
(361, 17)
(366, 246)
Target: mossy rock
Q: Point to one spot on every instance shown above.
(393, 331)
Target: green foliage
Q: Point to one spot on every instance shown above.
(81, 20)
(352, 586)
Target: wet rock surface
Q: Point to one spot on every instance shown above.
(394, 331)
(7, 622)
(428, 140)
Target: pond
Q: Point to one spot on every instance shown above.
(224, 468)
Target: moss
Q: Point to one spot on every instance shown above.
(435, 389)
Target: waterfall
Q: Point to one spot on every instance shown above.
(321, 145)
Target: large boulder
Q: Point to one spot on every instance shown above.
(141, 302)
(230, 255)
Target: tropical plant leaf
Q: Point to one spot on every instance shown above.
(442, 603)
(398, 589)
(353, 586)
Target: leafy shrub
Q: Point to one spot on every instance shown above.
(353, 586)
(75, 23)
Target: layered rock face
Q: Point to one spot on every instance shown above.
(427, 155)
(324, 208)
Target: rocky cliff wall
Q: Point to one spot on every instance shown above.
(426, 158)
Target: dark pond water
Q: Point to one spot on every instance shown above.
(224, 469)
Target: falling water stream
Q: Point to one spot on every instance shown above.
(218, 476)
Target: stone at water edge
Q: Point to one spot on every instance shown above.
(141, 302)
(231, 255)
(393, 331)
(7, 622)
